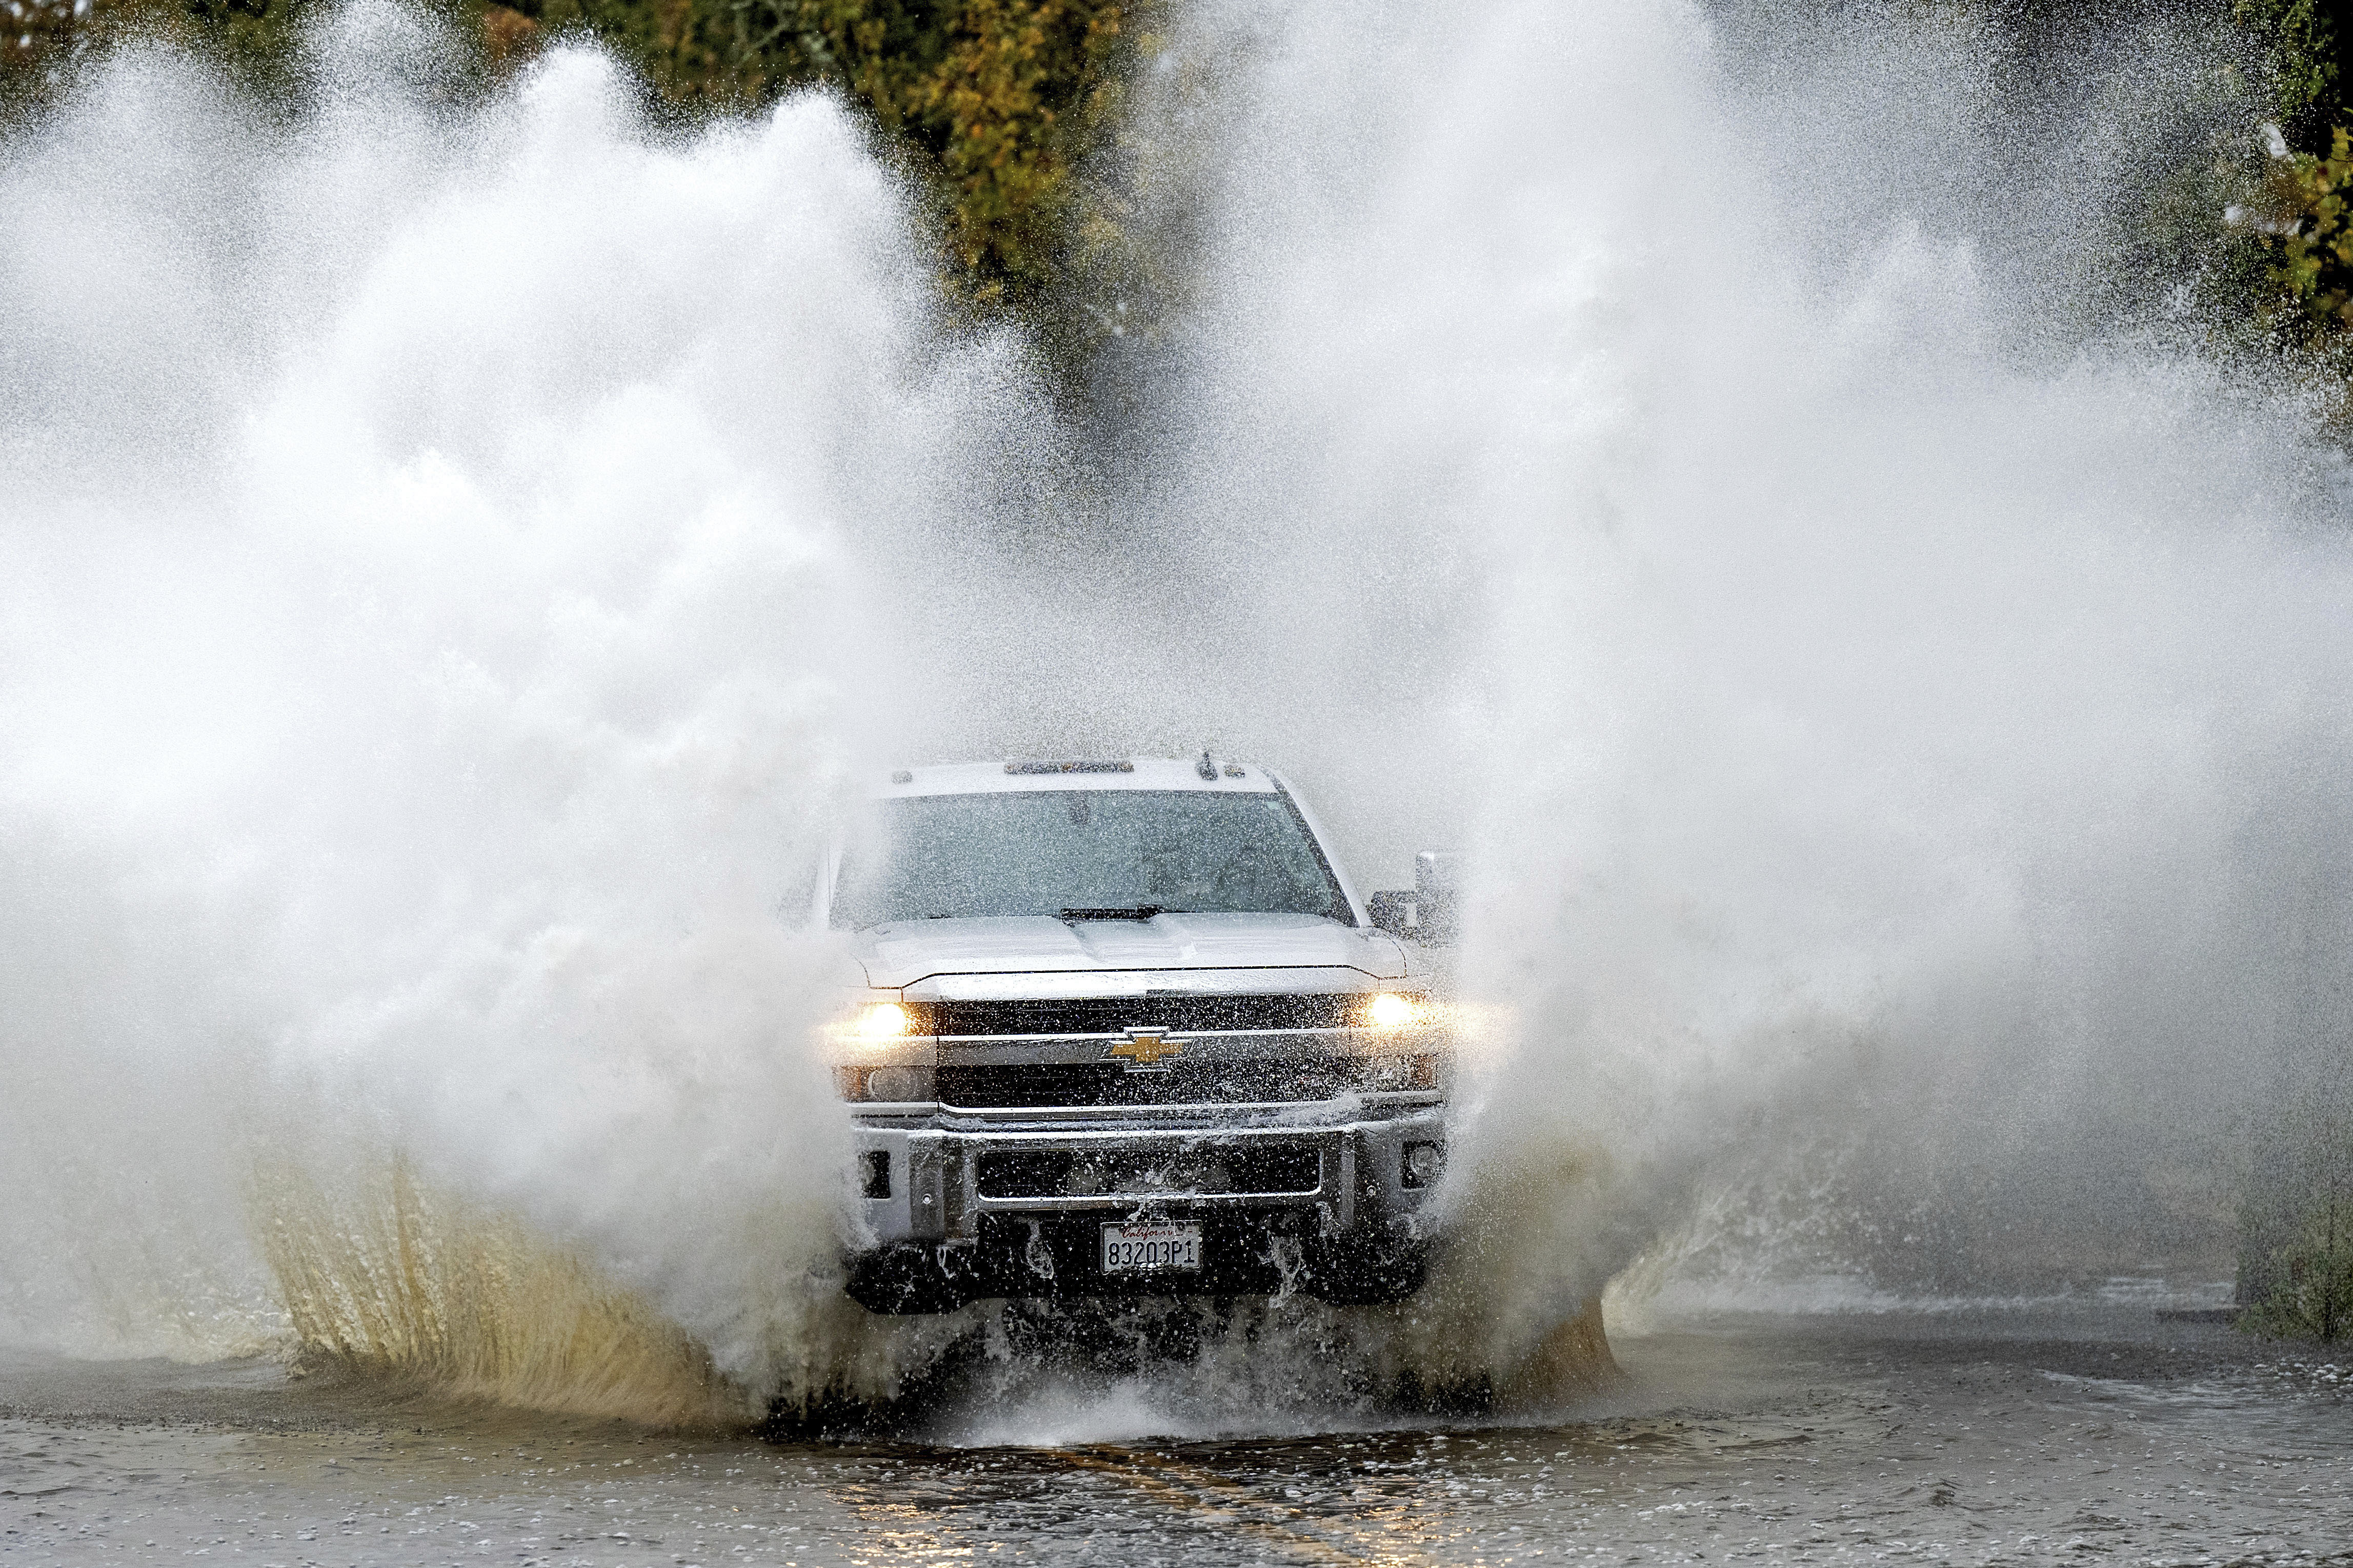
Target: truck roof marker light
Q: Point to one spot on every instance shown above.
(901, 775)
(1206, 768)
(1234, 773)
(1017, 769)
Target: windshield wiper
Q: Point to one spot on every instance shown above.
(1123, 912)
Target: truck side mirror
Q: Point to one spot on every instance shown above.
(1393, 912)
(1426, 913)
(1438, 878)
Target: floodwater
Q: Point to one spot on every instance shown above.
(2016, 1436)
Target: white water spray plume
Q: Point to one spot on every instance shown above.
(460, 551)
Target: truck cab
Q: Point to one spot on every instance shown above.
(1126, 1029)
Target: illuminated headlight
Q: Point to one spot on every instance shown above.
(878, 1016)
(882, 1020)
(1393, 1010)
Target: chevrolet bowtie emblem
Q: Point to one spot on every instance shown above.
(1144, 1046)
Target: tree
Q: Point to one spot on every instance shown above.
(994, 104)
(2295, 1267)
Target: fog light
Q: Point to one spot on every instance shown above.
(1396, 1073)
(1423, 1162)
(899, 1084)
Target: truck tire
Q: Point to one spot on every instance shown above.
(905, 1280)
(1368, 1276)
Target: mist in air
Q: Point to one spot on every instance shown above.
(461, 552)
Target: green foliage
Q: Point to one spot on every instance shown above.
(2309, 242)
(2306, 40)
(2279, 289)
(1006, 115)
(254, 39)
(2296, 1224)
(2311, 1294)
(993, 104)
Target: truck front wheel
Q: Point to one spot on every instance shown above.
(1367, 1274)
(906, 1278)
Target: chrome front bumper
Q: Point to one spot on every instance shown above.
(929, 1158)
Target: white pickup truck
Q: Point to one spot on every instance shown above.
(1126, 1029)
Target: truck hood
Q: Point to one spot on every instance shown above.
(904, 952)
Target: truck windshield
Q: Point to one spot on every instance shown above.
(1086, 855)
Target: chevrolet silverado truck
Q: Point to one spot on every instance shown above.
(1126, 1029)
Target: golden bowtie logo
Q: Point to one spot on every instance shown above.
(1143, 1049)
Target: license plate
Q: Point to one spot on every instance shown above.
(1150, 1248)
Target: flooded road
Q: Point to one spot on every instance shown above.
(2018, 1437)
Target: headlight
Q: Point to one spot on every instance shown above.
(1393, 1010)
(882, 1020)
(1423, 1163)
(879, 1018)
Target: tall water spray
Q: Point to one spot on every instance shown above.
(459, 551)
(1899, 691)
(442, 605)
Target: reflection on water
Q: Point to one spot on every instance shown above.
(2007, 1440)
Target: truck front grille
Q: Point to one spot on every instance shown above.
(1089, 1083)
(1054, 1174)
(1112, 1015)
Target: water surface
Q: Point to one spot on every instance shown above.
(2020, 1437)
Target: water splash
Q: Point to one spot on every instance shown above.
(409, 1288)
(464, 547)
(1897, 688)
(443, 605)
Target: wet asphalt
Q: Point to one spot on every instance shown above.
(2000, 1437)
